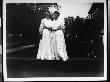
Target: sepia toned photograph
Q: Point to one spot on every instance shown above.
(54, 40)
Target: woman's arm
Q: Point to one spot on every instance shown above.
(41, 27)
(62, 27)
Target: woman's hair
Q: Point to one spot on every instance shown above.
(47, 13)
(56, 12)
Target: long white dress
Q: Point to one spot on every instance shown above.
(52, 45)
(44, 51)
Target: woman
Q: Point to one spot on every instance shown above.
(58, 42)
(52, 44)
(44, 51)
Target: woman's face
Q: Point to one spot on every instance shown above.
(47, 15)
(55, 16)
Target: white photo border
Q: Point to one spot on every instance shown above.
(54, 78)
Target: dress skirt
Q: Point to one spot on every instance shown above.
(52, 46)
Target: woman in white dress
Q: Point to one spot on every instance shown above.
(52, 45)
(58, 41)
(44, 50)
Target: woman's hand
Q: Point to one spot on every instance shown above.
(40, 33)
(49, 29)
(59, 28)
(54, 28)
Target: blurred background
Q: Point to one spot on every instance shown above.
(83, 32)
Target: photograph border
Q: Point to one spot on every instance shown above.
(54, 78)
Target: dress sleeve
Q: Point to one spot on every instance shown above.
(62, 25)
(41, 26)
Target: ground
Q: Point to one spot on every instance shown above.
(71, 68)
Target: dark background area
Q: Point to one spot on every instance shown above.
(24, 19)
(83, 35)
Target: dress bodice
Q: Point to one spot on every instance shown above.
(48, 23)
(57, 23)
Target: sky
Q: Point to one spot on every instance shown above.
(74, 8)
